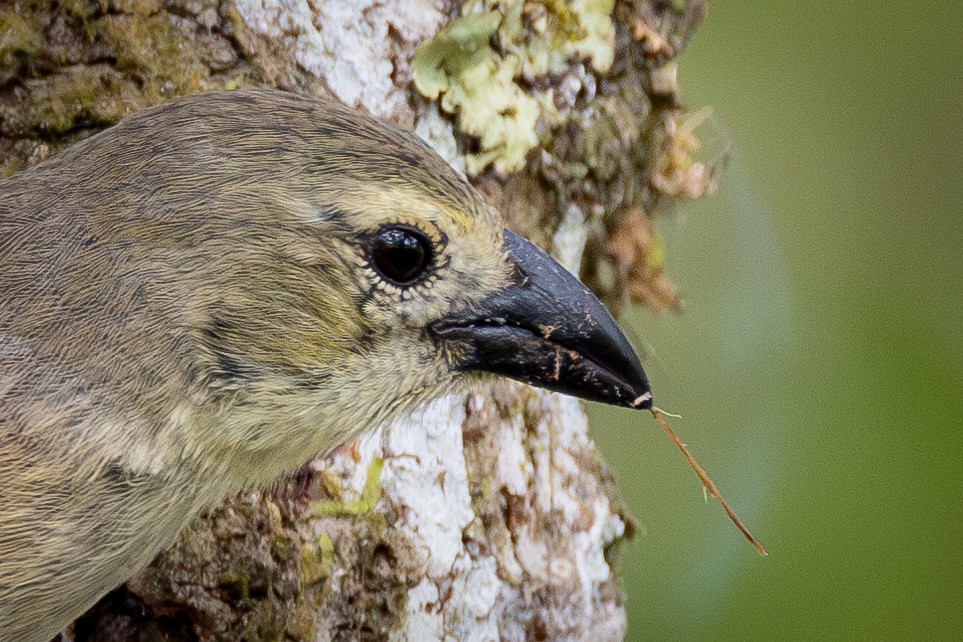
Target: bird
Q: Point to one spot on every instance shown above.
(206, 295)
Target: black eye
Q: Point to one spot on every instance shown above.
(400, 254)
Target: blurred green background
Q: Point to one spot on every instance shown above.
(819, 362)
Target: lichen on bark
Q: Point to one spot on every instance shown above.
(482, 516)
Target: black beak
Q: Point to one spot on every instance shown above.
(548, 330)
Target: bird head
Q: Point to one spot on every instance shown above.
(324, 271)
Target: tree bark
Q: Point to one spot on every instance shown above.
(483, 516)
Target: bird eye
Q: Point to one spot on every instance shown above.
(400, 254)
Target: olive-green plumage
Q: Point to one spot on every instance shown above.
(194, 301)
(186, 309)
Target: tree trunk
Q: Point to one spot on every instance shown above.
(482, 516)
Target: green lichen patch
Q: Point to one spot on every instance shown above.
(84, 97)
(363, 505)
(548, 36)
(71, 68)
(460, 46)
(20, 42)
(482, 65)
(317, 560)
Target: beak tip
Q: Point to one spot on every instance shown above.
(643, 401)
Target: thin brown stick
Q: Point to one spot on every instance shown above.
(707, 483)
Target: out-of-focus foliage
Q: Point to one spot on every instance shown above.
(819, 364)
